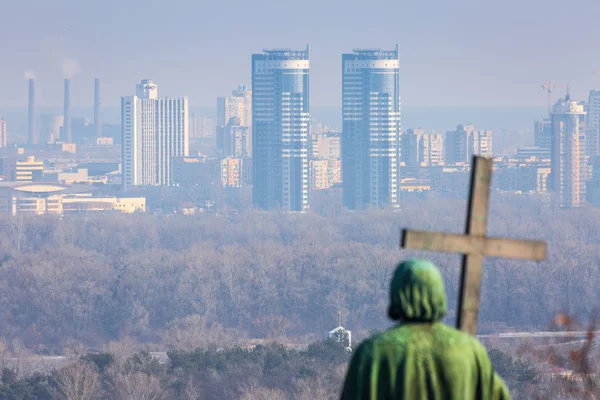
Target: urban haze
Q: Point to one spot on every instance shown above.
(204, 200)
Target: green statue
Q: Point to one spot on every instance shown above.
(421, 358)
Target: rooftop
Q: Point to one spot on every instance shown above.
(376, 54)
(34, 187)
(284, 54)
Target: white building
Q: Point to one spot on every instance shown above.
(568, 160)
(154, 131)
(343, 336)
(238, 105)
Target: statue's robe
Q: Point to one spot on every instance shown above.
(421, 358)
(422, 361)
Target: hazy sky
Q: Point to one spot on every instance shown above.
(455, 53)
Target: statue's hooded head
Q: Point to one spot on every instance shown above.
(417, 293)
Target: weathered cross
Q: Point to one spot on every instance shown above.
(474, 245)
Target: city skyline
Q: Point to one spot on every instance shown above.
(65, 38)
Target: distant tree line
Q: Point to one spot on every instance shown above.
(182, 282)
(269, 372)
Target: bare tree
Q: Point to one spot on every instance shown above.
(78, 381)
(135, 385)
(273, 327)
(253, 391)
(192, 391)
(123, 349)
(194, 332)
(17, 227)
(325, 386)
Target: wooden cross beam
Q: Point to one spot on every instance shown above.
(474, 245)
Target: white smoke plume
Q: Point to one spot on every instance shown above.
(29, 74)
(70, 67)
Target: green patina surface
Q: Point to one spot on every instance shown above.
(421, 358)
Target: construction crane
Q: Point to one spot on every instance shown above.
(548, 87)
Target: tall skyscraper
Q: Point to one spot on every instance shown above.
(421, 149)
(3, 142)
(568, 166)
(592, 125)
(371, 128)
(280, 129)
(238, 105)
(154, 131)
(465, 142)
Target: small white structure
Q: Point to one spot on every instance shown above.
(342, 335)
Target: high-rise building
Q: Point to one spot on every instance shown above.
(335, 171)
(3, 142)
(465, 142)
(421, 149)
(542, 134)
(371, 128)
(154, 130)
(568, 166)
(326, 145)
(319, 171)
(238, 105)
(280, 129)
(231, 172)
(592, 125)
(233, 140)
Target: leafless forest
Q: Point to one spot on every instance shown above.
(178, 283)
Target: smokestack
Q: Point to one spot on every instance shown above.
(67, 113)
(97, 120)
(31, 133)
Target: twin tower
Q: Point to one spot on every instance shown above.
(370, 132)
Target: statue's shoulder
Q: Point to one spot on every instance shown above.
(447, 335)
(396, 337)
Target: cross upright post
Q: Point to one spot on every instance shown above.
(474, 245)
